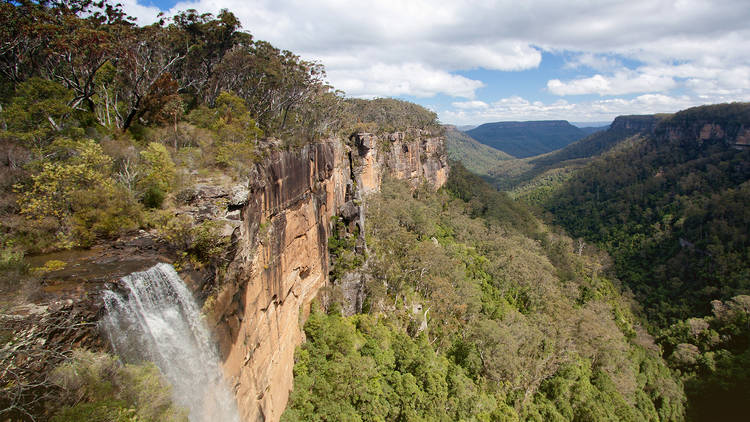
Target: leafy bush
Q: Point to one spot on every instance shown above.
(235, 133)
(77, 191)
(159, 174)
(202, 243)
(95, 387)
(341, 249)
(49, 266)
(11, 256)
(361, 369)
(39, 112)
(390, 115)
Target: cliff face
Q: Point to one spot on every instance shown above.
(281, 259)
(728, 123)
(414, 156)
(635, 123)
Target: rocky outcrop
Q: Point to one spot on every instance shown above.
(34, 339)
(724, 123)
(635, 123)
(415, 156)
(281, 259)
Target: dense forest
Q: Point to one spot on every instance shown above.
(96, 109)
(527, 139)
(476, 310)
(672, 210)
(474, 307)
(105, 129)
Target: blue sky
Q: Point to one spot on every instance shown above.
(476, 61)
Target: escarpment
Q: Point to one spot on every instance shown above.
(281, 258)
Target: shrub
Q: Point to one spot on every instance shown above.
(104, 212)
(49, 266)
(96, 387)
(208, 245)
(159, 172)
(76, 190)
(202, 243)
(11, 257)
(176, 230)
(153, 197)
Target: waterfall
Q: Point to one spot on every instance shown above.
(158, 320)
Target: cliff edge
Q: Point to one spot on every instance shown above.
(281, 259)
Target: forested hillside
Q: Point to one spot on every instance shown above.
(96, 109)
(526, 139)
(534, 178)
(110, 130)
(472, 307)
(477, 157)
(475, 310)
(672, 210)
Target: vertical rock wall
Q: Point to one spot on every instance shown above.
(282, 252)
(414, 155)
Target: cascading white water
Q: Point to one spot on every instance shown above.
(158, 320)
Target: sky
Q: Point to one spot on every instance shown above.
(478, 61)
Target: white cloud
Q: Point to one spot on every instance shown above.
(144, 14)
(694, 48)
(404, 79)
(470, 105)
(618, 84)
(599, 62)
(518, 108)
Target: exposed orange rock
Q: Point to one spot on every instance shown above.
(282, 256)
(743, 139)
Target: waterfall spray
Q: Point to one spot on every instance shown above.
(158, 320)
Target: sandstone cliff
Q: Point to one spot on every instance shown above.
(726, 123)
(281, 258)
(635, 123)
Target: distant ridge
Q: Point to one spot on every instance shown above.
(474, 155)
(546, 170)
(526, 139)
(591, 124)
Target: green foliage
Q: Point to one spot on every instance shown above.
(79, 165)
(390, 115)
(76, 190)
(208, 244)
(96, 387)
(234, 131)
(672, 211)
(484, 201)
(49, 266)
(202, 243)
(153, 197)
(361, 369)
(712, 355)
(38, 113)
(498, 311)
(159, 170)
(476, 157)
(11, 257)
(341, 249)
(104, 212)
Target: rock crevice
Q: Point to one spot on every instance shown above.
(282, 260)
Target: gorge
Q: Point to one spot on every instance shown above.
(196, 226)
(280, 265)
(281, 261)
